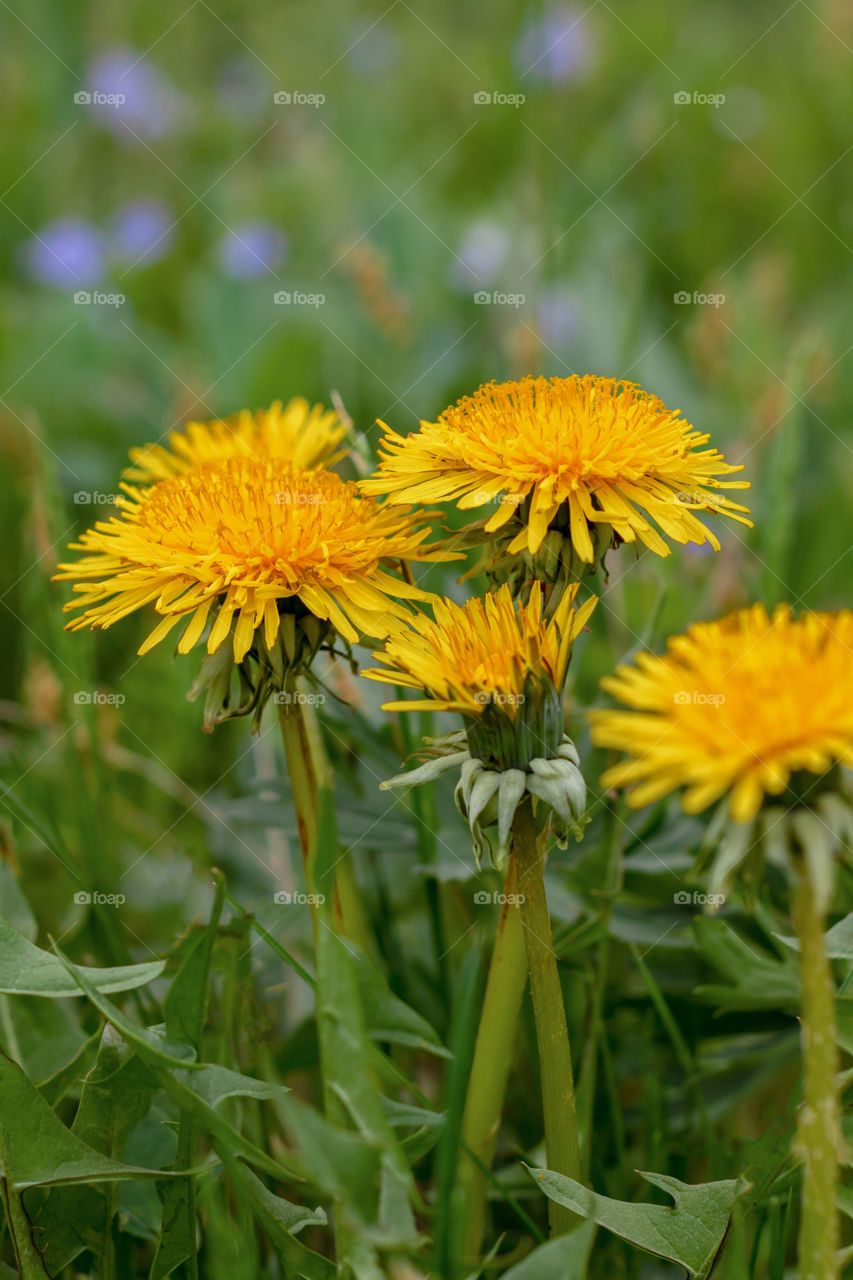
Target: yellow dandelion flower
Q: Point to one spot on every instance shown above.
(734, 707)
(480, 652)
(248, 540)
(586, 450)
(308, 437)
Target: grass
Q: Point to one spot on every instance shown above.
(598, 199)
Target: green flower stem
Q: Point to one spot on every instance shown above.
(308, 770)
(819, 1126)
(562, 1151)
(493, 1051)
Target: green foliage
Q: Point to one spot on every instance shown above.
(691, 1232)
(196, 1083)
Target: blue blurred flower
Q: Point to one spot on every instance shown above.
(481, 254)
(555, 46)
(67, 253)
(558, 314)
(243, 88)
(252, 249)
(141, 232)
(372, 48)
(137, 97)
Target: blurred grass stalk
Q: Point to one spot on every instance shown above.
(819, 1129)
(307, 769)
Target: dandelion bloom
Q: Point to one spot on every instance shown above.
(502, 666)
(580, 451)
(296, 432)
(251, 540)
(734, 707)
(482, 651)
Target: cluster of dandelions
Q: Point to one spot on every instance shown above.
(242, 531)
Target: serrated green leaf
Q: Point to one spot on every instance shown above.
(213, 1084)
(37, 1150)
(149, 1047)
(281, 1220)
(27, 970)
(116, 1095)
(689, 1233)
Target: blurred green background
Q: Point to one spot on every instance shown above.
(629, 157)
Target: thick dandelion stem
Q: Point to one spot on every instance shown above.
(819, 1126)
(493, 1052)
(309, 770)
(562, 1150)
